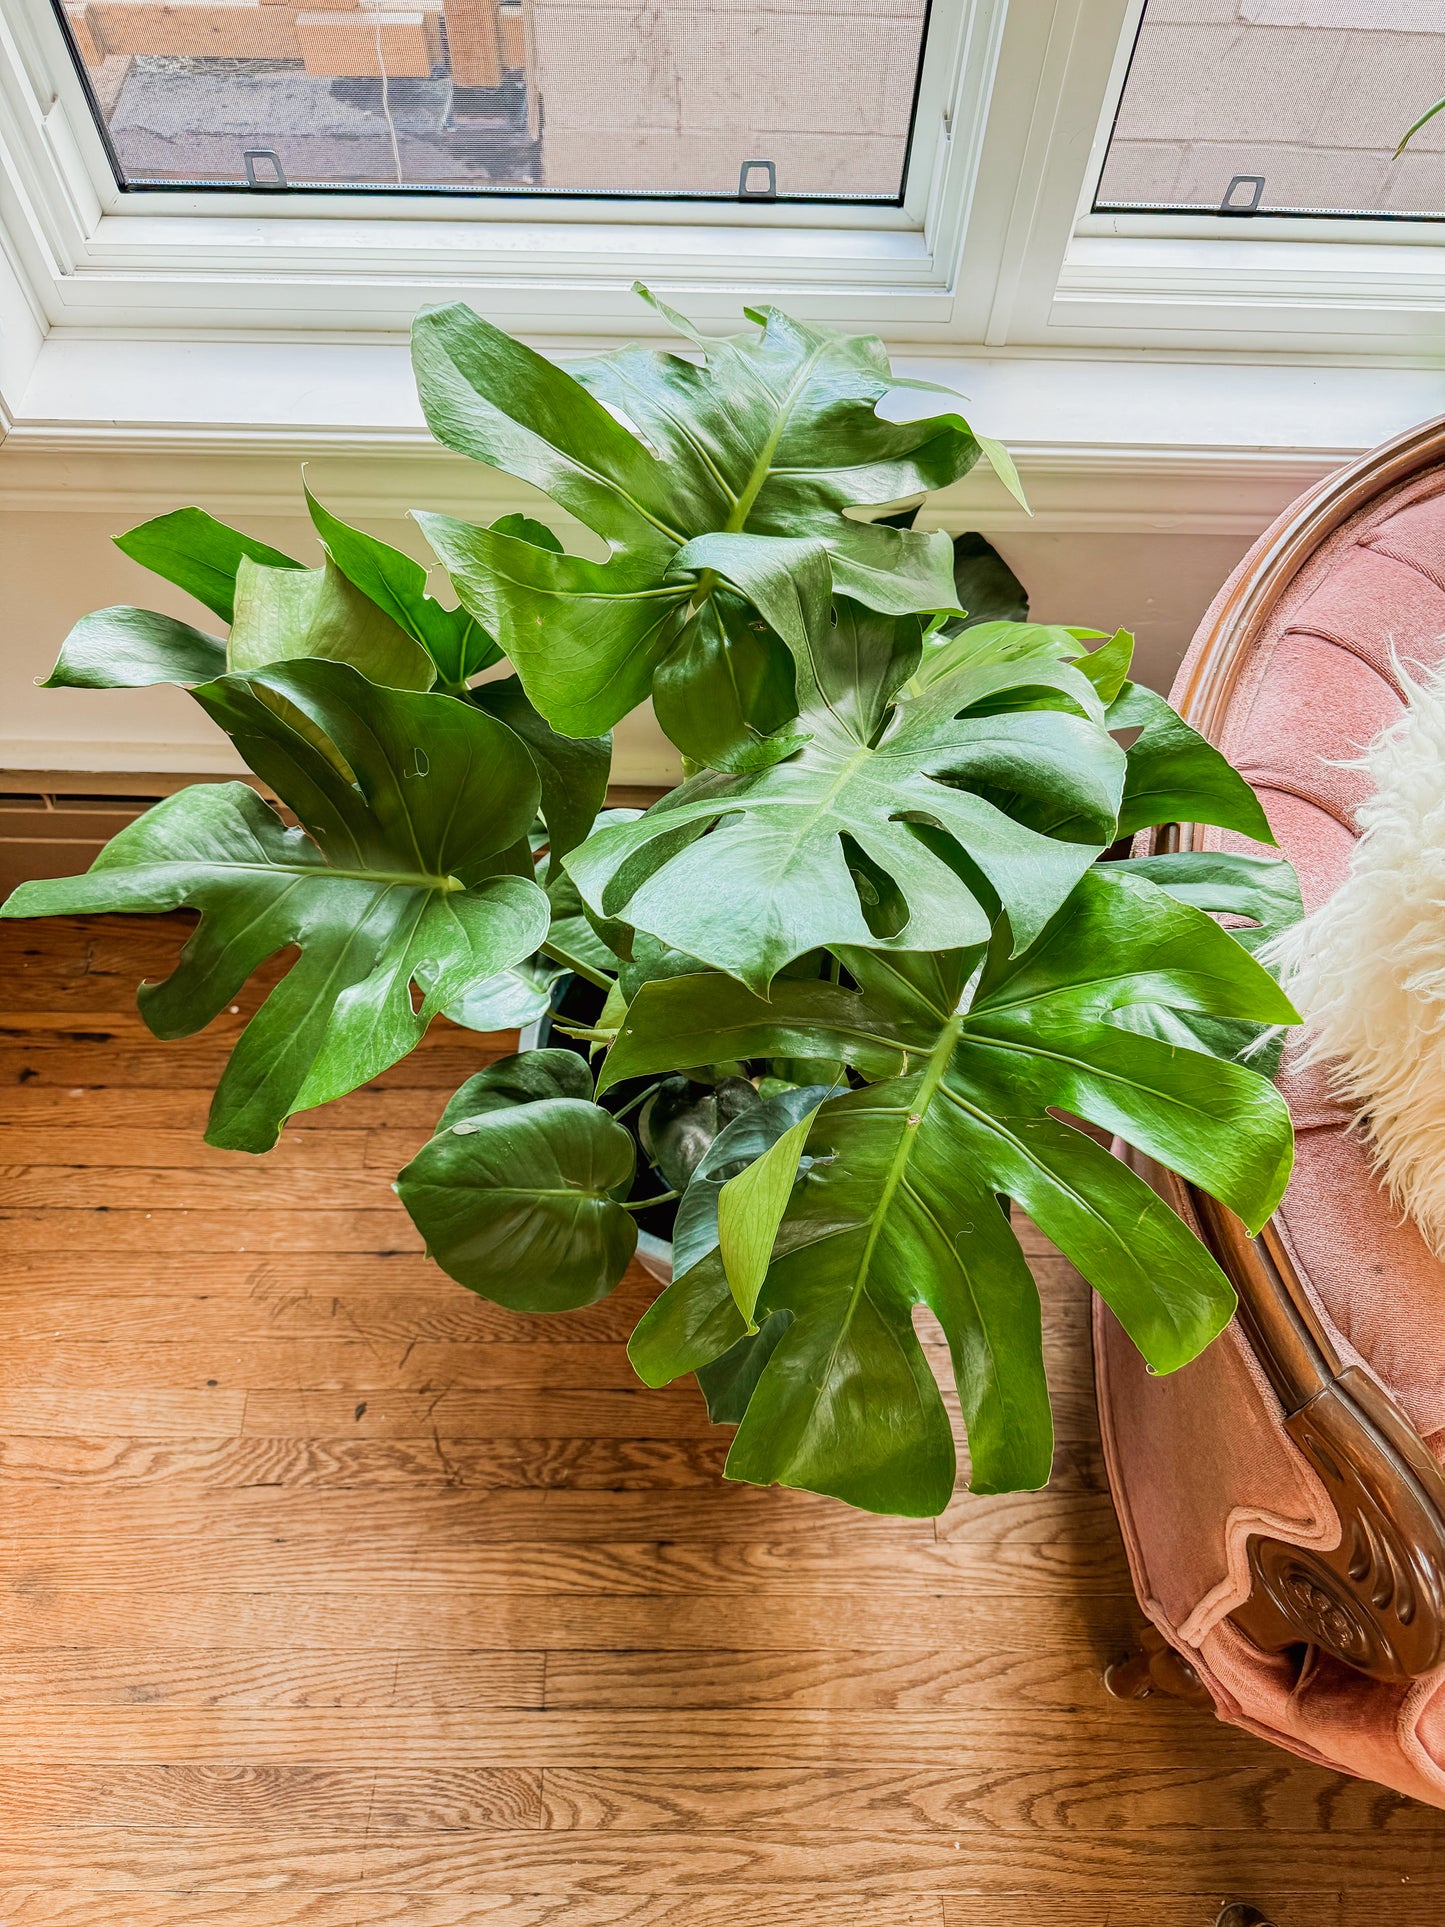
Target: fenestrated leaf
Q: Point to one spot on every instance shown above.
(131, 649)
(730, 1381)
(286, 615)
(451, 638)
(748, 872)
(772, 436)
(572, 771)
(200, 555)
(1263, 889)
(406, 802)
(1176, 776)
(517, 1199)
(900, 1205)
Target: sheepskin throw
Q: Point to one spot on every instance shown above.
(1367, 969)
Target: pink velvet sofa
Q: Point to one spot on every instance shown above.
(1282, 1499)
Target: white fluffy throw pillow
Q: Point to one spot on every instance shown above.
(1367, 969)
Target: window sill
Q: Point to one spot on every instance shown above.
(1108, 440)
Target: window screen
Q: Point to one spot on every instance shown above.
(801, 99)
(1281, 107)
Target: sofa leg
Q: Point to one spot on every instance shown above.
(1155, 1667)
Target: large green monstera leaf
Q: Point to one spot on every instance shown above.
(900, 1198)
(905, 835)
(409, 805)
(766, 441)
(367, 606)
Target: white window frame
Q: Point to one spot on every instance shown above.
(98, 256)
(1190, 281)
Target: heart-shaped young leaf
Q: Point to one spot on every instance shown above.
(901, 1206)
(886, 843)
(512, 999)
(408, 805)
(773, 435)
(516, 1194)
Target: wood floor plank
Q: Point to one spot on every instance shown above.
(160, 1105)
(1026, 1740)
(1104, 1796)
(127, 1058)
(1145, 1907)
(1112, 1793)
(37, 1610)
(333, 1596)
(202, 1859)
(112, 1148)
(401, 1318)
(196, 1677)
(201, 1232)
(719, 1908)
(311, 1799)
(580, 1465)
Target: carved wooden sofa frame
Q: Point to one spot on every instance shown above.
(1376, 1601)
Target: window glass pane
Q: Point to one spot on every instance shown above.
(652, 97)
(1299, 103)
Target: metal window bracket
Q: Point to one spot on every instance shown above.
(768, 193)
(1230, 206)
(253, 154)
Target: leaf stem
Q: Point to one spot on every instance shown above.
(633, 1102)
(646, 1204)
(598, 978)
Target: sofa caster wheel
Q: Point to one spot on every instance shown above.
(1239, 1914)
(1157, 1668)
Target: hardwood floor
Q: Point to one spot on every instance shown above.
(333, 1596)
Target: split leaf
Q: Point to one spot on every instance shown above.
(407, 804)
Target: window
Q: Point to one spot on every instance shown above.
(1286, 107)
(1018, 174)
(795, 100)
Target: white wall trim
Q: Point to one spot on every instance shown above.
(1104, 489)
(1113, 442)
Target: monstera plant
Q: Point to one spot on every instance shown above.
(821, 1018)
